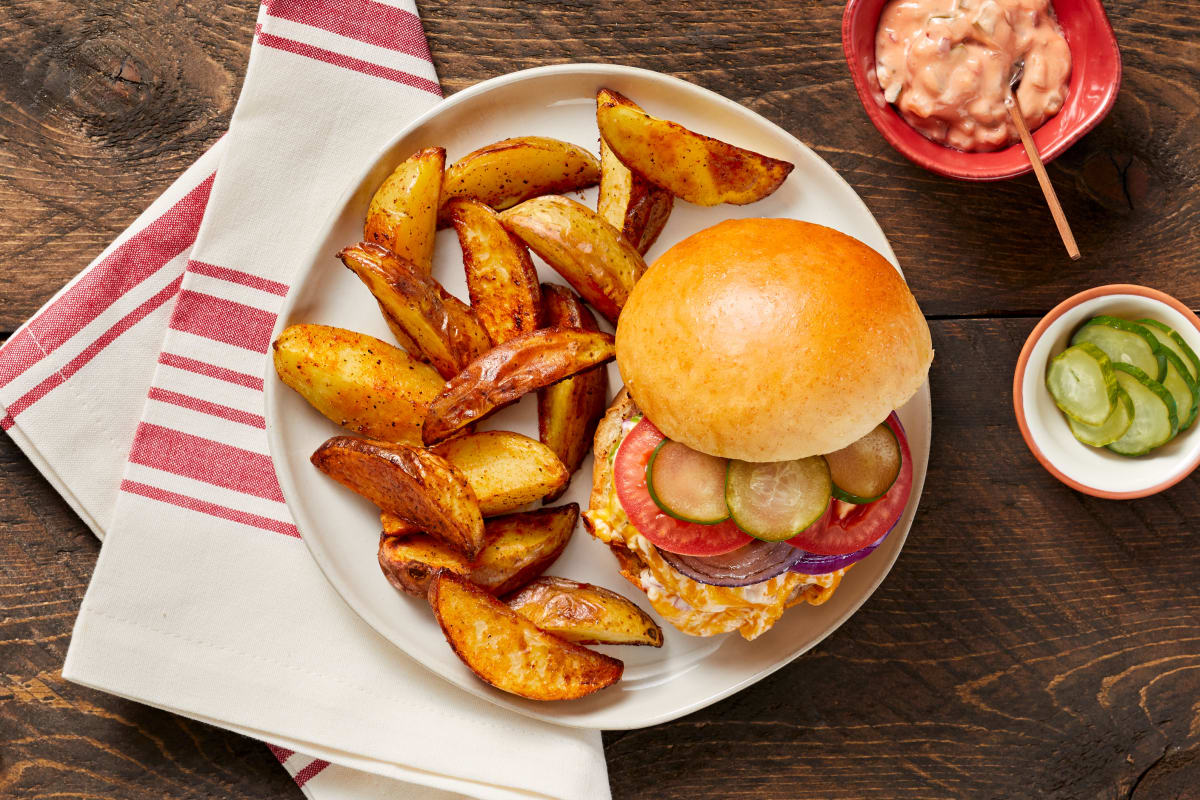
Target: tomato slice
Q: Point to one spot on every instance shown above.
(850, 528)
(663, 530)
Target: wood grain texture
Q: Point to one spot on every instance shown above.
(1031, 642)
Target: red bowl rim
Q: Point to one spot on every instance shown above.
(1048, 153)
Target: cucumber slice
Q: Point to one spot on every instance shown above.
(1082, 383)
(863, 471)
(1111, 429)
(687, 484)
(1125, 341)
(1174, 342)
(1155, 419)
(1181, 386)
(775, 500)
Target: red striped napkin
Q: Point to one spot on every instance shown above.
(204, 600)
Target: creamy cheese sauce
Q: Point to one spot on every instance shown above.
(946, 64)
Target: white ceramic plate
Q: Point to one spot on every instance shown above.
(342, 530)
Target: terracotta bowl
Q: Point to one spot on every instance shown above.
(1095, 80)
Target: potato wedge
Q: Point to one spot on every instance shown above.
(505, 470)
(630, 203)
(414, 484)
(511, 171)
(508, 651)
(585, 614)
(402, 215)
(696, 168)
(582, 247)
(569, 410)
(359, 382)
(507, 372)
(519, 548)
(500, 276)
(392, 525)
(444, 330)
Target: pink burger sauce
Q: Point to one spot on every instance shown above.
(945, 64)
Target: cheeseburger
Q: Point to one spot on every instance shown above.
(754, 454)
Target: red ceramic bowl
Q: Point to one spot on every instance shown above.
(1095, 79)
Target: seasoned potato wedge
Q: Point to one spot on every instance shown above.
(569, 410)
(582, 247)
(441, 326)
(507, 372)
(696, 168)
(403, 213)
(519, 548)
(357, 381)
(630, 203)
(508, 172)
(505, 470)
(500, 276)
(586, 614)
(395, 526)
(414, 484)
(508, 651)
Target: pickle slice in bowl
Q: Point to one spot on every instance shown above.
(1083, 384)
(1111, 429)
(1155, 420)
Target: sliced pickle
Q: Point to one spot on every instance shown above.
(862, 472)
(1082, 383)
(1155, 419)
(1182, 388)
(1124, 341)
(775, 500)
(687, 484)
(1111, 429)
(1174, 342)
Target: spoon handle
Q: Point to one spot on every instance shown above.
(1060, 219)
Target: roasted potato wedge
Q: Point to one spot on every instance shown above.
(513, 170)
(359, 382)
(507, 372)
(585, 614)
(410, 482)
(442, 327)
(581, 246)
(403, 213)
(519, 548)
(395, 526)
(505, 470)
(508, 651)
(630, 203)
(500, 276)
(696, 168)
(569, 410)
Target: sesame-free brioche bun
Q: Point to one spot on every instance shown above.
(771, 339)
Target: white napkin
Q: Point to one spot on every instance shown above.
(204, 600)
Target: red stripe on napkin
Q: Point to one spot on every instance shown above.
(212, 509)
(126, 322)
(206, 407)
(237, 276)
(205, 460)
(142, 255)
(210, 370)
(311, 771)
(347, 62)
(223, 320)
(373, 23)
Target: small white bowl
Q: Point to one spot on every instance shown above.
(1095, 470)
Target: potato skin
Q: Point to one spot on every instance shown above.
(439, 325)
(410, 482)
(585, 614)
(357, 381)
(689, 165)
(403, 212)
(509, 371)
(569, 410)
(511, 171)
(501, 279)
(508, 651)
(630, 203)
(581, 246)
(506, 470)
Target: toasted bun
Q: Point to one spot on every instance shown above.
(771, 339)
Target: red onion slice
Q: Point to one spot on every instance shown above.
(814, 564)
(755, 562)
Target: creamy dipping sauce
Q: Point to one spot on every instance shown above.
(946, 64)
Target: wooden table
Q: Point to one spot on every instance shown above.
(1030, 642)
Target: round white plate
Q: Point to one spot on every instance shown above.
(342, 530)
